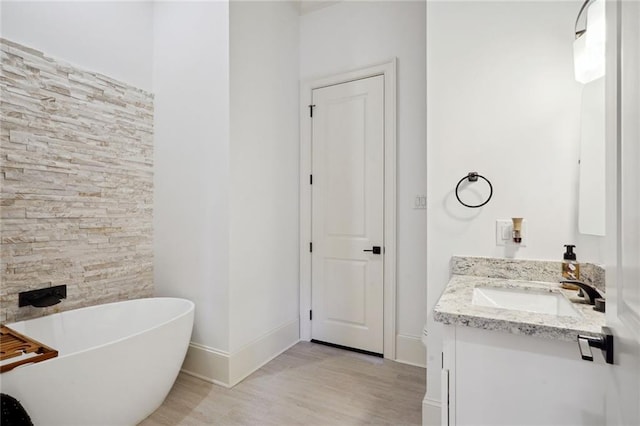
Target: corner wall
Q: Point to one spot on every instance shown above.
(226, 82)
(191, 83)
(264, 176)
(502, 101)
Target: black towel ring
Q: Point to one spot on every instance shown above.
(473, 177)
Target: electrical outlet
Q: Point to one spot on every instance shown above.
(420, 202)
(504, 233)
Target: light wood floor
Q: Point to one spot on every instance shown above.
(309, 384)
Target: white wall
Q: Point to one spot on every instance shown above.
(352, 35)
(264, 169)
(501, 100)
(191, 210)
(225, 214)
(111, 38)
(180, 52)
(226, 218)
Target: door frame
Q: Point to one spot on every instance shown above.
(388, 70)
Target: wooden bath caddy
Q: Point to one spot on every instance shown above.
(14, 344)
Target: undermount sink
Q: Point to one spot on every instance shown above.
(542, 302)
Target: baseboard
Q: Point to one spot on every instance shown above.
(209, 364)
(259, 352)
(225, 369)
(431, 412)
(411, 350)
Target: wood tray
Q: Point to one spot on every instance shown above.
(14, 344)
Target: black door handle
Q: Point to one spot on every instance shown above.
(375, 250)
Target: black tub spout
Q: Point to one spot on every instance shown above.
(43, 297)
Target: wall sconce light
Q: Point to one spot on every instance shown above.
(589, 45)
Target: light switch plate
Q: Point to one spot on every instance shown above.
(504, 233)
(420, 202)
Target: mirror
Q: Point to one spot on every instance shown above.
(589, 62)
(591, 196)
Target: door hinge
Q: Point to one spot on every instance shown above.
(310, 315)
(310, 247)
(310, 179)
(311, 107)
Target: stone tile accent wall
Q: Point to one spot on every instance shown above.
(76, 186)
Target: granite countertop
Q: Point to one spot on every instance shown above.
(455, 308)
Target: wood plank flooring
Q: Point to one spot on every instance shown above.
(309, 384)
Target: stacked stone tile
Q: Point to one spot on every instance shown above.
(76, 185)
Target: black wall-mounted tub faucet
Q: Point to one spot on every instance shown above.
(43, 297)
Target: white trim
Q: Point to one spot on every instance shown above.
(410, 350)
(431, 412)
(206, 363)
(388, 69)
(256, 354)
(228, 369)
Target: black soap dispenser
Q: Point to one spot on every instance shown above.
(570, 266)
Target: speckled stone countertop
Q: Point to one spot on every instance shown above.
(526, 270)
(455, 304)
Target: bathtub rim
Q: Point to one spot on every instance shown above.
(190, 310)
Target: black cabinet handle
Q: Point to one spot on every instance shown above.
(603, 342)
(375, 250)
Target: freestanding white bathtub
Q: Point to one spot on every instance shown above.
(116, 362)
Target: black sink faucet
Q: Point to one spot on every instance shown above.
(589, 292)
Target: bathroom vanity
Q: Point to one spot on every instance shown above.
(510, 352)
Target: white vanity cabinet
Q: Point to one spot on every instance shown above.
(497, 378)
(510, 355)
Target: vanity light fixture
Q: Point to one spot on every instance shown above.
(589, 44)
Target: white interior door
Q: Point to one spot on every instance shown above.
(623, 273)
(348, 214)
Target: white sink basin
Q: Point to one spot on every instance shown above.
(541, 302)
